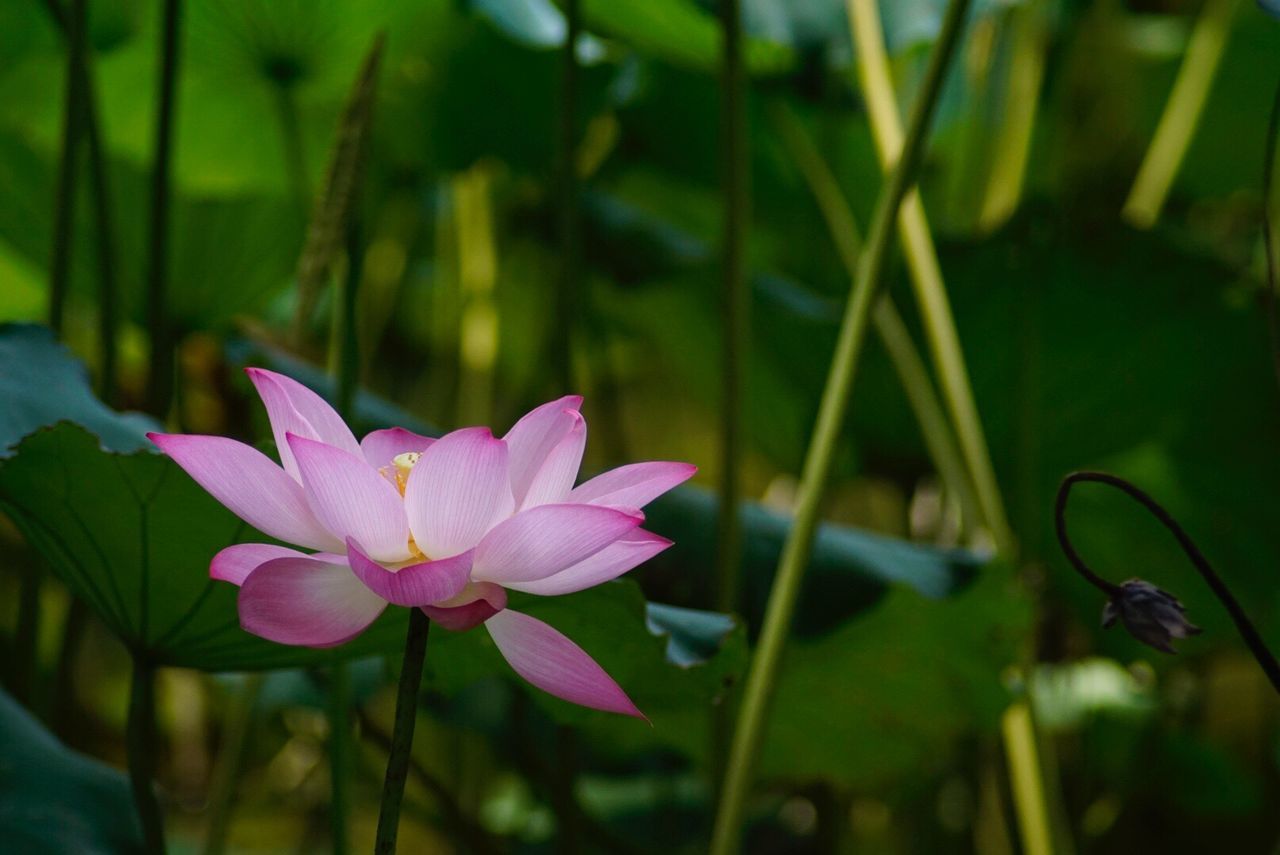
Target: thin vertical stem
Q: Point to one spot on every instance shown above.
(27, 631)
(761, 681)
(1181, 113)
(104, 233)
(926, 275)
(736, 304)
(1026, 779)
(345, 350)
(564, 802)
(160, 381)
(227, 773)
(339, 756)
(415, 652)
(103, 225)
(68, 167)
(26, 664)
(1012, 147)
(908, 364)
(295, 164)
(568, 295)
(140, 738)
(1268, 231)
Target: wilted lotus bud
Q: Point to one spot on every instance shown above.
(1152, 616)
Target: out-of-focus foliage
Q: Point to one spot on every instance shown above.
(55, 800)
(1090, 344)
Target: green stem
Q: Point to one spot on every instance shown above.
(1181, 113)
(1269, 242)
(64, 707)
(568, 294)
(104, 231)
(1012, 149)
(736, 306)
(345, 348)
(227, 774)
(294, 155)
(761, 682)
(103, 226)
(140, 738)
(415, 652)
(26, 665)
(65, 194)
(339, 756)
(564, 803)
(926, 275)
(160, 381)
(1026, 779)
(910, 367)
(473, 836)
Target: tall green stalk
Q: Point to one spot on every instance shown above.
(906, 359)
(415, 653)
(295, 163)
(1181, 113)
(73, 22)
(103, 222)
(340, 759)
(568, 293)
(1269, 240)
(926, 274)
(64, 202)
(736, 302)
(226, 775)
(140, 739)
(1029, 36)
(762, 680)
(160, 380)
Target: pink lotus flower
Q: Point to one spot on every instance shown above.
(445, 525)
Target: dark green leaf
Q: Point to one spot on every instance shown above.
(42, 383)
(132, 535)
(894, 692)
(54, 801)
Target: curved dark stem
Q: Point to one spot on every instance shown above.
(1268, 238)
(1245, 627)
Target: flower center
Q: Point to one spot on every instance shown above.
(398, 472)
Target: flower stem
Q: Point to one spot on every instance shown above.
(867, 286)
(1026, 779)
(140, 738)
(568, 290)
(160, 381)
(415, 652)
(736, 304)
(910, 367)
(1247, 631)
(1268, 232)
(1012, 149)
(65, 195)
(339, 756)
(1181, 113)
(226, 775)
(926, 276)
(103, 226)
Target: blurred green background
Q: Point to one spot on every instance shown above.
(1106, 321)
